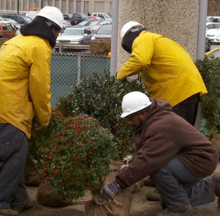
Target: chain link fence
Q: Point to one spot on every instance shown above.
(67, 70)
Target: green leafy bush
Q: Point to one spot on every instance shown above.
(100, 96)
(210, 71)
(75, 153)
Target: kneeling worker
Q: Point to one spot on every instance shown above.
(175, 155)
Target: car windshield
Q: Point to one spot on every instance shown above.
(1, 19)
(27, 19)
(11, 20)
(84, 16)
(73, 31)
(83, 23)
(105, 30)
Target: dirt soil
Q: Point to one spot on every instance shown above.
(140, 205)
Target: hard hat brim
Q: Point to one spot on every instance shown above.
(125, 114)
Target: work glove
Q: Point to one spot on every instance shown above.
(109, 190)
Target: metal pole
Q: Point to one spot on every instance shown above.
(79, 69)
(114, 39)
(203, 9)
(18, 5)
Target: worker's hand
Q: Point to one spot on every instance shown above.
(109, 190)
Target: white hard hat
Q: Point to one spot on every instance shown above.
(53, 14)
(134, 102)
(128, 26)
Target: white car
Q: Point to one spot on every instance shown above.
(213, 35)
(212, 25)
(73, 35)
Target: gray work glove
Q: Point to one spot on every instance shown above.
(109, 190)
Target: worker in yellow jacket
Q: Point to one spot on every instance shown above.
(24, 93)
(167, 70)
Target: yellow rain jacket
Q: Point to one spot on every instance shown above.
(167, 70)
(25, 82)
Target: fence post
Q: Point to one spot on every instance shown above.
(60, 48)
(78, 68)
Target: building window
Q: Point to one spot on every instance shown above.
(64, 6)
(110, 8)
(71, 6)
(78, 6)
(86, 7)
(57, 3)
(99, 6)
(14, 5)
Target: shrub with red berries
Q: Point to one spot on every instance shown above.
(75, 154)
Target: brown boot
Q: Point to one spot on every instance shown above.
(24, 207)
(185, 212)
(8, 212)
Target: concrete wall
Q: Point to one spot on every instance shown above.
(176, 19)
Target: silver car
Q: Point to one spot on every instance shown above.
(74, 35)
(104, 32)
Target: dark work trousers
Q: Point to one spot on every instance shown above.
(188, 108)
(180, 189)
(13, 154)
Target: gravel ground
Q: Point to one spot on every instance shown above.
(140, 205)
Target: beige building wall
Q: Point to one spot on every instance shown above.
(176, 19)
(66, 6)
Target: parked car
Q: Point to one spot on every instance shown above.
(104, 32)
(18, 17)
(7, 30)
(66, 16)
(208, 45)
(74, 35)
(104, 16)
(13, 22)
(77, 18)
(213, 19)
(94, 18)
(213, 35)
(212, 25)
(106, 22)
(66, 24)
(84, 23)
(31, 14)
(94, 26)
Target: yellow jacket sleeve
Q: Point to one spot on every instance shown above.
(142, 52)
(39, 84)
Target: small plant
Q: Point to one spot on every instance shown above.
(210, 71)
(100, 96)
(75, 155)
